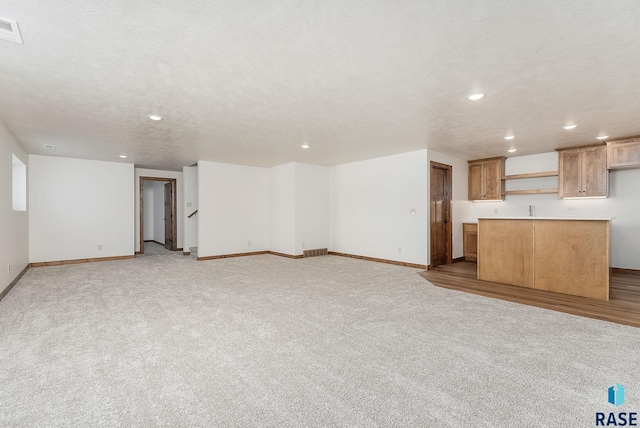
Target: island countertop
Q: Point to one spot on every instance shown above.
(543, 218)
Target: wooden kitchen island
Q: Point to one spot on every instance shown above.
(563, 255)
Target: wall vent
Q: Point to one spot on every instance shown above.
(313, 253)
(9, 30)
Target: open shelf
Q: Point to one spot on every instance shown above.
(531, 175)
(531, 191)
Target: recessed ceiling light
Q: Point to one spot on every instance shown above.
(49, 146)
(602, 137)
(305, 145)
(123, 156)
(509, 137)
(570, 126)
(154, 117)
(475, 97)
(512, 150)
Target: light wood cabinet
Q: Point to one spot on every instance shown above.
(563, 256)
(582, 172)
(470, 241)
(623, 154)
(486, 179)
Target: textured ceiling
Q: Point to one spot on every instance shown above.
(248, 81)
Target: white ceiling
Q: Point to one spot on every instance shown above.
(248, 81)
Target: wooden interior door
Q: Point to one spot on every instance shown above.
(440, 210)
(168, 216)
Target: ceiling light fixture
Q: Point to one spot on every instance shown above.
(305, 145)
(602, 137)
(123, 156)
(475, 97)
(509, 137)
(512, 150)
(571, 126)
(154, 116)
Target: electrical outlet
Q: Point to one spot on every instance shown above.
(99, 247)
(572, 210)
(189, 204)
(399, 249)
(249, 243)
(303, 245)
(496, 210)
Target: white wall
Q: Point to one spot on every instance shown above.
(147, 196)
(14, 225)
(232, 209)
(141, 172)
(312, 202)
(282, 208)
(370, 207)
(190, 192)
(459, 202)
(76, 205)
(623, 204)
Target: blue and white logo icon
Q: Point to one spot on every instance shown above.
(616, 395)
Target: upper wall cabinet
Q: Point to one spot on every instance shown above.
(582, 172)
(623, 154)
(486, 179)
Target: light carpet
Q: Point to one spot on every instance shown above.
(265, 341)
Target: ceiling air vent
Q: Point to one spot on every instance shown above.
(9, 30)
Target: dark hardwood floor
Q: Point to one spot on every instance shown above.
(623, 306)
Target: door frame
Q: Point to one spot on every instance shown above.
(449, 231)
(174, 209)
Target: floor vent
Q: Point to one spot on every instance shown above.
(313, 253)
(9, 30)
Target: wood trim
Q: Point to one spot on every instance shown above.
(487, 159)
(373, 259)
(624, 271)
(186, 253)
(227, 256)
(174, 209)
(585, 146)
(458, 259)
(77, 261)
(289, 256)
(13, 283)
(531, 175)
(531, 191)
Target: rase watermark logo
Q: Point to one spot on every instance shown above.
(615, 396)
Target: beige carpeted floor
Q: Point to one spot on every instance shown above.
(266, 341)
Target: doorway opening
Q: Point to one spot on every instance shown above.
(440, 213)
(164, 214)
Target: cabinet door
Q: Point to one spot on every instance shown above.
(570, 173)
(595, 176)
(493, 184)
(470, 241)
(475, 181)
(624, 154)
